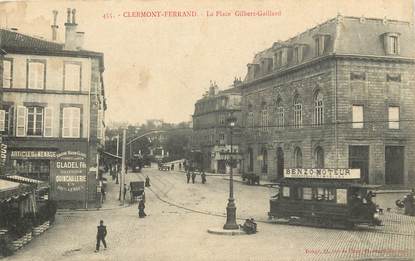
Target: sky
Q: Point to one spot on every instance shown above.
(157, 67)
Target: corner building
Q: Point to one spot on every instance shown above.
(52, 115)
(211, 133)
(340, 95)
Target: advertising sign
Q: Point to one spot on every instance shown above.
(68, 176)
(322, 173)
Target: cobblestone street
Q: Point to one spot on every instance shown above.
(179, 215)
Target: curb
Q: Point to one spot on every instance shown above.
(217, 231)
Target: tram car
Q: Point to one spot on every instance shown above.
(136, 190)
(325, 202)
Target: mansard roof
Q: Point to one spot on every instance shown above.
(349, 35)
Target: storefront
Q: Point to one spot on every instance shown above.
(32, 163)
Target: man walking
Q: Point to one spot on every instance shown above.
(193, 176)
(125, 190)
(101, 234)
(188, 175)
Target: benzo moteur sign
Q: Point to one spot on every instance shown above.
(68, 173)
(322, 173)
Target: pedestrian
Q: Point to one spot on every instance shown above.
(203, 175)
(103, 193)
(126, 169)
(147, 182)
(125, 190)
(193, 177)
(101, 234)
(141, 207)
(188, 176)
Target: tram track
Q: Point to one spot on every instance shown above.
(166, 182)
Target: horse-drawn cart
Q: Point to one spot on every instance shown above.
(136, 190)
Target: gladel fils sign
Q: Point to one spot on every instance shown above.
(322, 173)
(68, 173)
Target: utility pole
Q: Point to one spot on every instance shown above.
(123, 164)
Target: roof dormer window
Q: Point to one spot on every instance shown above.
(298, 53)
(321, 42)
(391, 43)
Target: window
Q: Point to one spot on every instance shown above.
(2, 120)
(298, 112)
(48, 128)
(298, 158)
(34, 121)
(36, 75)
(357, 116)
(222, 119)
(280, 114)
(250, 119)
(307, 193)
(71, 122)
(318, 109)
(21, 121)
(319, 158)
(286, 192)
(393, 44)
(72, 77)
(298, 54)
(264, 120)
(7, 73)
(325, 194)
(393, 113)
(341, 196)
(221, 138)
(320, 44)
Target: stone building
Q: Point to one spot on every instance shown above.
(339, 95)
(211, 132)
(52, 114)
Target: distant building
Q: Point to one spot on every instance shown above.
(53, 111)
(211, 133)
(340, 95)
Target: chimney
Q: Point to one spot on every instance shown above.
(70, 30)
(79, 40)
(54, 26)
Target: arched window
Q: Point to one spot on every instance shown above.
(279, 113)
(318, 109)
(319, 157)
(298, 158)
(298, 112)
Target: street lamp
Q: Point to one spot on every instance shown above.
(231, 208)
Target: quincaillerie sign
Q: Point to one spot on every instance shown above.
(322, 173)
(68, 176)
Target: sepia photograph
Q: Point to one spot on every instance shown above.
(245, 130)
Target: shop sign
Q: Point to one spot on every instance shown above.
(68, 176)
(322, 173)
(32, 154)
(3, 154)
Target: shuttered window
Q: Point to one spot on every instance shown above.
(21, 121)
(7, 74)
(2, 120)
(36, 75)
(357, 116)
(48, 126)
(71, 122)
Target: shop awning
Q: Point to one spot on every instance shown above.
(112, 155)
(10, 190)
(40, 185)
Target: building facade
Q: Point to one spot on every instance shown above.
(340, 95)
(211, 132)
(53, 111)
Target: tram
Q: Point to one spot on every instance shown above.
(324, 197)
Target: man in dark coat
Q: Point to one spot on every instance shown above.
(101, 234)
(141, 207)
(193, 176)
(188, 176)
(147, 182)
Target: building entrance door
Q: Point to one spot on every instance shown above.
(359, 159)
(222, 166)
(280, 163)
(394, 164)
